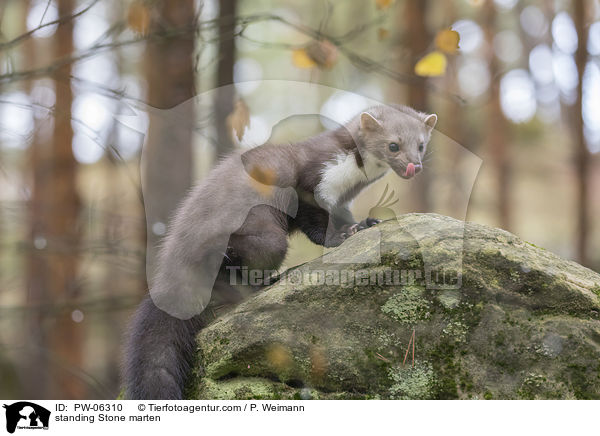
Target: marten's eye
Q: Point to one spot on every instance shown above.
(394, 147)
(421, 147)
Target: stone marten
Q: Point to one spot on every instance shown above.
(241, 215)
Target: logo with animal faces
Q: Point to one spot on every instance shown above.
(25, 415)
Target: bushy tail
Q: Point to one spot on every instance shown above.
(158, 354)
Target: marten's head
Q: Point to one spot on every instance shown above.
(396, 136)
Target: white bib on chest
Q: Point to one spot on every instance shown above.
(343, 174)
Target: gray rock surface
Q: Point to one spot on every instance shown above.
(509, 321)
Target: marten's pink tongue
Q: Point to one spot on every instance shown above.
(410, 170)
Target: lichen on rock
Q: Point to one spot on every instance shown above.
(407, 306)
(493, 317)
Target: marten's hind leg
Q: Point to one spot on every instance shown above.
(260, 243)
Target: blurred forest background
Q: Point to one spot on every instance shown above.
(521, 91)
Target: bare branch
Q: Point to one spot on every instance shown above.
(360, 61)
(59, 21)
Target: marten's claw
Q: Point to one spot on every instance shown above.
(357, 227)
(352, 229)
(366, 223)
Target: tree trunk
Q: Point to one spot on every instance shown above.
(225, 94)
(57, 194)
(35, 383)
(497, 138)
(417, 39)
(454, 124)
(170, 77)
(582, 154)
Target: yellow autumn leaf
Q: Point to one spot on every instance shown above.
(383, 4)
(433, 64)
(318, 360)
(263, 180)
(323, 53)
(301, 59)
(138, 17)
(238, 120)
(382, 33)
(447, 41)
(279, 356)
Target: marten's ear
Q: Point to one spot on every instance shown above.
(368, 122)
(430, 121)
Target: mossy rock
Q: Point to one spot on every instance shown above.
(509, 321)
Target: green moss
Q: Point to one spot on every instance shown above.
(466, 383)
(539, 386)
(533, 245)
(446, 369)
(373, 358)
(374, 370)
(487, 395)
(446, 388)
(500, 338)
(389, 259)
(191, 389)
(415, 262)
(244, 388)
(471, 314)
(579, 379)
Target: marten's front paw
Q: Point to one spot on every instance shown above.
(348, 230)
(351, 229)
(368, 222)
